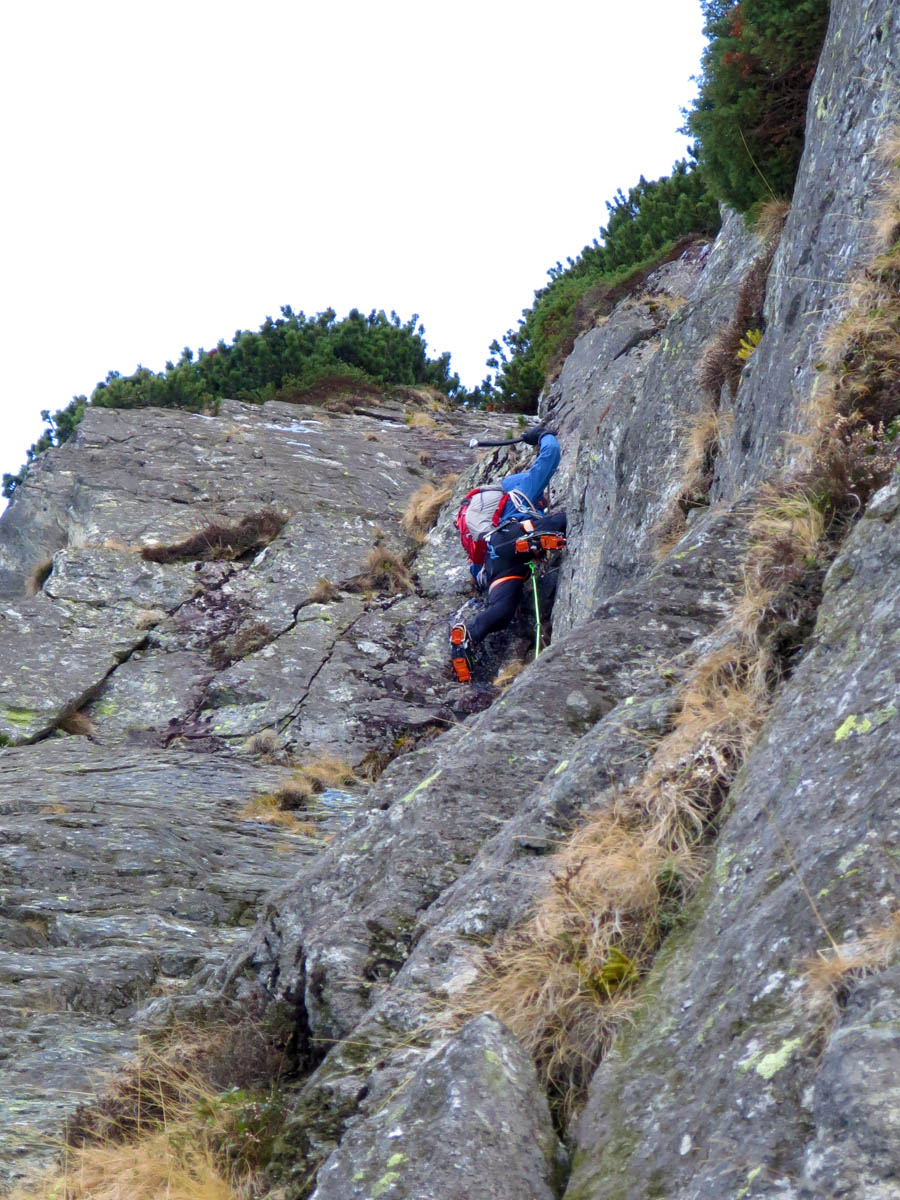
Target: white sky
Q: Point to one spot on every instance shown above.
(176, 171)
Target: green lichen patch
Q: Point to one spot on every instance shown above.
(420, 787)
(860, 726)
(21, 716)
(768, 1065)
(385, 1183)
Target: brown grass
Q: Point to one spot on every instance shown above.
(385, 571)
(78, 723)
(721, 363)
(313, 777)
(508, 672)
(146, 618)
(162, 1164)
(566, 978)
(420, 420)
(221, 541)
(324, 592)
(423, 506)
(331, 393)
(267, 808)
(279, 806)
(700, 442)
(243, 642)
(266, 743)
(829, 974)
(38, 576)
(770, 219)
(167, 1126)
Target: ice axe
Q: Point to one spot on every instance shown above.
(506, 442)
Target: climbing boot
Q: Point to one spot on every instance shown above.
(540, 543)
(461, 653)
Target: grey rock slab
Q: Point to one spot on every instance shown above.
(104, 578)
(857, 1096)
(335, 941)
(472, 1122)
(265, 689)
(157, 475)
(813, 815)
(621, 416)
(386, 679)
(852, 108)
(54, 658)
(121, 872)
(147, 697)
(498, 890)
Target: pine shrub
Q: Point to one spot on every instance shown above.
(750, 114)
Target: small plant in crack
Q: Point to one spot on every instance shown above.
(244, 641)
(219, 540)
(38, 576)
(424, 505)
(386, 571)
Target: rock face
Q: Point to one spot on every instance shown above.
(170, 647)
(473, 1122)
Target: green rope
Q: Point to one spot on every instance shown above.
(537, 611)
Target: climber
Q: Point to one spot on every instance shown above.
(503, 529)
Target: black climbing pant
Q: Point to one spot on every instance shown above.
(506, 571)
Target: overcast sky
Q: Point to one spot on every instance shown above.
(176, 171)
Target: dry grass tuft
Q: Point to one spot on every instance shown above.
(38, 576)
(701, 445)
(722, 361)
(244, 641)
(79, 724)
(220, 541)
(771, 218)
(279, 806)
(146, 618)
(508, 672)
(310, 779)
(324, 592)
(266, 744)
(159, 1165)
(167, 1126)
(373, 765)
(385, 571)
(565, 979)
(424, 505)
(372, 437)
(267, 809)
(829, 974)
(420, 420)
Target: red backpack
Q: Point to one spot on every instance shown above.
(479, 515)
